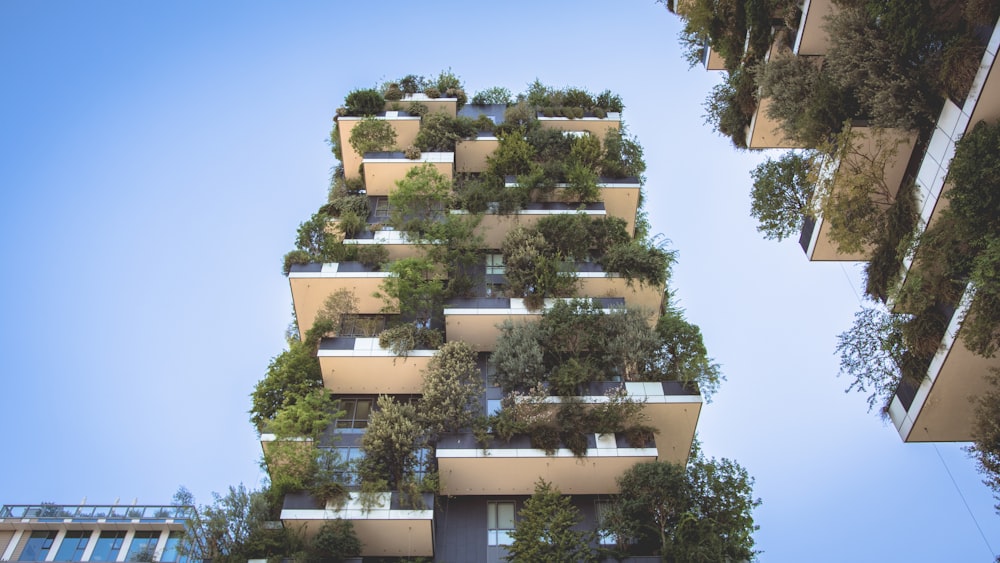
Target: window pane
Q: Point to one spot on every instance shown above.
(107, 547)
(364, 407)
(170, 549)
(143, 545)
(38, 546)
(505, 516)
(72, 546)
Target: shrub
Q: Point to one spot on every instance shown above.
(493, 95)
(417, 109)
(407, 336)
(440, 132)
(373, 256)
(959, 65)
(730, 106)
(372, 135)
(432, 92)
(294, 257)
(392, 92)
(782, 194)
(643, 261)
(364, 102)
(609, 101)
(411, 152)
(411, 83)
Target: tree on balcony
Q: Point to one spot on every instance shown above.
(545, 530)
(291, 375)
(782, 194)
(702, 512)
(390, 443)
(452, 389)
(372, 135)
(986, 435)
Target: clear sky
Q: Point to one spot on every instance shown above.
(156, 158)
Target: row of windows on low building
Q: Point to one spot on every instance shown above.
(107, 545)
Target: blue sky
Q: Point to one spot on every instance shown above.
(156, 158)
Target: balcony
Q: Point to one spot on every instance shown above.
(494, 227)
(620, 197)
(471, 154)
(812, 38)
(818, 246)
(941, 408)
(598, 126)
(383, 169)
(312, 283)
(764, 132)
(396, 243)
(475, 320)
(354, 366)
(406, 127)
(389, 528)
(15, 516)
(468, 468)
(442, 105)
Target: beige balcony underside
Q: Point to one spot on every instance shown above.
(406, 129)
(439, 105)
(381, 176)
(309, 294)
(396, 537)
(598, 127)
(470, 155)
(813, 38)
(370, 375)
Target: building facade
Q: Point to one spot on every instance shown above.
(481, 475)
(56, 532)
(936, 402)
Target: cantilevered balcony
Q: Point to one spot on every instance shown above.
(384, 169)
(816, 241)
(494, 227)
(389, 526)
(598, 126)
(941, 408)
(441, 105)
(352, 366)
(312, 283)
(471, 154)
(405, 125)
(764, 132)
(812, 38)
(469, 468)
(396, 243)
(620, 197)
(475, 320)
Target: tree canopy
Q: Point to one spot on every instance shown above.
(545, 530)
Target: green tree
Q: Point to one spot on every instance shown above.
(334, 542)
(545, 530)
(414, 288)
(986, 435)
(291, 375)
(699, 513)
(420, 201)
(782, 194)
(372, 134)
(232, 528)
(519, 356)
(683, 356)
(364, 102)
(871, 352)
(452, 389)
(390, 442)
(808, 104)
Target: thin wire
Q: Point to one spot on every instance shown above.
(850, 282)
(961, 496)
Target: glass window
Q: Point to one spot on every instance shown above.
(170, 554)
(38, 546)
(355, 417)
(365, 326)
(494, 264)
(350, 456)
(493, 406)
(73, 545)
(143, 546)
(499, 523)
(107, 547)
(382, 210)
(603, 537)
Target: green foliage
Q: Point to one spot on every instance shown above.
(372, 134)
(871, 353)
(884, 269)
(649, 262)
(294, 257)
(986, 435)
(699, 513)
(981, 326)
(333, 543)
(683, 355)
(609, 101)
(531, 270)
(513, 156)
(782, 194)
(622, 155)
(402, 338)
(730, 106)
(329, 318)
(452, 389)
(419, 201)
(307, 417)
(493, 95)
(390, 443)
(291, 375)
(567, 234)
(975, 174)
(414, 288)
(373, 256)
(519, 355)
(804, 98)
(364, 102)
(439, 132)
(232, 528)
(545, 530)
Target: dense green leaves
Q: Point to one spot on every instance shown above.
(545, 530)
(291, 375)
(782, 194)
(390, 442)
(451, 389)
(372, 135)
